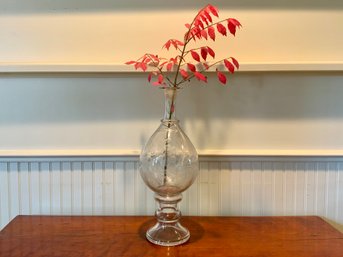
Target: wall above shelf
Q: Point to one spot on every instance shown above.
(271, 40)
(119, 68)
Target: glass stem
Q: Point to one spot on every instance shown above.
(168, 210)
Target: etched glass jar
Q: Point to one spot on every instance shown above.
(168, 166)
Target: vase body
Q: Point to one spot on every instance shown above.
(168, 166)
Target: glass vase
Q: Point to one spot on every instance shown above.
(168, 166)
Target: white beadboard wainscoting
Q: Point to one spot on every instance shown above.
(226, 186)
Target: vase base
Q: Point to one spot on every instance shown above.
(165, 234)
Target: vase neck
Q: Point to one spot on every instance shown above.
(169, 103)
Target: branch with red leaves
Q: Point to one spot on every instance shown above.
(203, 27)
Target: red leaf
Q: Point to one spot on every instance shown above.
(191, 35)
(221, 77)
(160, 78)
(213, 9)
(211, 33)
(173, 60)
(184, 73)
(235, 62)
(204, 19)
(178, 42)
(221, 29)
(130, 62)
(191, 67)
(198, 23)
(143, 66)
(229, 66)
(211, 52)
(232, 25)
(204, 34)
(170, 66)
(173, 43)
(232, 28)
(195, 56)
(197, 32)
(208, 16)
(146, 59)
(204, 53)
(200, 76)
(235, 22)
(188, 26)
(149, 77)
(167, 44)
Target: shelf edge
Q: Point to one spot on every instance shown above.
(121, 68)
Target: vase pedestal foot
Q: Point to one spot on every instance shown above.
(168, 231)
(171, 234)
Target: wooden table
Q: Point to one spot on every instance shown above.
(56, 236)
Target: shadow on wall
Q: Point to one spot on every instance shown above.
(72, 98)
(37, 6)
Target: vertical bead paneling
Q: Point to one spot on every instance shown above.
(98, 188)
(108, 188)
(55, 188)
(14, 190)
(76, 188)
(66, 188)
(339, 201)
(87, 188)
(119, 188)
(235, 185)
(129, 191)
(204, 204)
(256, 189)
(45, 188)
(113, 186)
(4, 195)
(224, 188)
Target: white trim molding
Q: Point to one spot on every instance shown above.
(122, 68)
(135, 152)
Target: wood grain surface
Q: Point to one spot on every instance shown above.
(107, 236)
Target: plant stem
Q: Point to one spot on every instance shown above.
(166, 157)
(175, 86)
(171, 111)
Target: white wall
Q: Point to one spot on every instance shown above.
(256, 114)
(112, 32)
